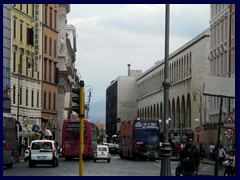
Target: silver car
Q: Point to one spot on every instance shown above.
(43, 152)
(102, 153)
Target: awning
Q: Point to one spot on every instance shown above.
(25, 132)
(47, 132)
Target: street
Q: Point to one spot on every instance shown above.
(117, 167)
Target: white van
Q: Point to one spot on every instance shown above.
(43, 152)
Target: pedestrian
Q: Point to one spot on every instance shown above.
(202, 151)
(211, 151)
(230, 164)
(189, 158)
(221, 154)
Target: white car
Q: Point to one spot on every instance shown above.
(102, 153)
(43, 152)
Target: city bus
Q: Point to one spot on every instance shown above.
(70, 139)
(10, 142)
(139, 139)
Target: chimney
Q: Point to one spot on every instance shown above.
(129, 69)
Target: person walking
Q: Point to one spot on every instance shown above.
(221, 154)
(189, 158)
(230, 165)
(211, 151)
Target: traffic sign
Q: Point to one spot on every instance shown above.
(229, 120)
(229, 132)
(198, 129)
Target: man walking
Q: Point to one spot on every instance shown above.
(189, 158)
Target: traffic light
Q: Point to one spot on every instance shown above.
(76, 99)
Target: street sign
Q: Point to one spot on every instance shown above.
(229, 122)
(229, 132)
(198, 129)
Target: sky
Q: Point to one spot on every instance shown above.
(110, 36)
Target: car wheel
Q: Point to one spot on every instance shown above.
(94, 160)
(54, 162)
(31, 164)
(108, 160)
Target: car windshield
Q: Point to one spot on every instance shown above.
(102, 149)
(41, 145)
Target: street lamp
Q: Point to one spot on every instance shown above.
(165, 149)
(88, 89)
(198, 92)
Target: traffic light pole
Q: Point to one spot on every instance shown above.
(81, 129)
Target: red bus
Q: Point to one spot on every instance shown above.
(70, 139)
(139, 139)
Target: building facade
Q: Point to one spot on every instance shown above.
(188, 67)
(50, 67)
(121, 101)
(26, 71)
(7, 88)
(222, 62)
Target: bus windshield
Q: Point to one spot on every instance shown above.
(147, 136)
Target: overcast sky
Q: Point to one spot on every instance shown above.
(111, 36)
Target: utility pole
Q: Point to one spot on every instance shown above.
(166, 150)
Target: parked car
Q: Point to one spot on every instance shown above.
(102, 153)
(44, 152)
(113, 148)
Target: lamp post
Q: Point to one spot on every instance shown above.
(165, 149)
(198, 92)
(88, 89)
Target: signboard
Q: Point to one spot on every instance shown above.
(219, 86)
(198, 129)
(229, 132)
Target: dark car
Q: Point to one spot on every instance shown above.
(113, 148)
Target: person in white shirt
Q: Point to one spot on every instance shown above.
(221, 154)
(211, 152)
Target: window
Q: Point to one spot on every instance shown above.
(46, 13)
(33, 10)
(45, 44)
(14, 28)
(55, 20)
(32, 98)
(37, 99)
(55, 48)
(21, 7)
(54, 101)
(32, 66)
(27, 66)
(45, 69)
(21, 31)
(45, 100)
(26, 97)
(50, 71)
(27, 9)
(50, 46)
(20, 102)
(49, 98)
(50, 16)
(14, 61)
(14, 94)
(20, 63)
